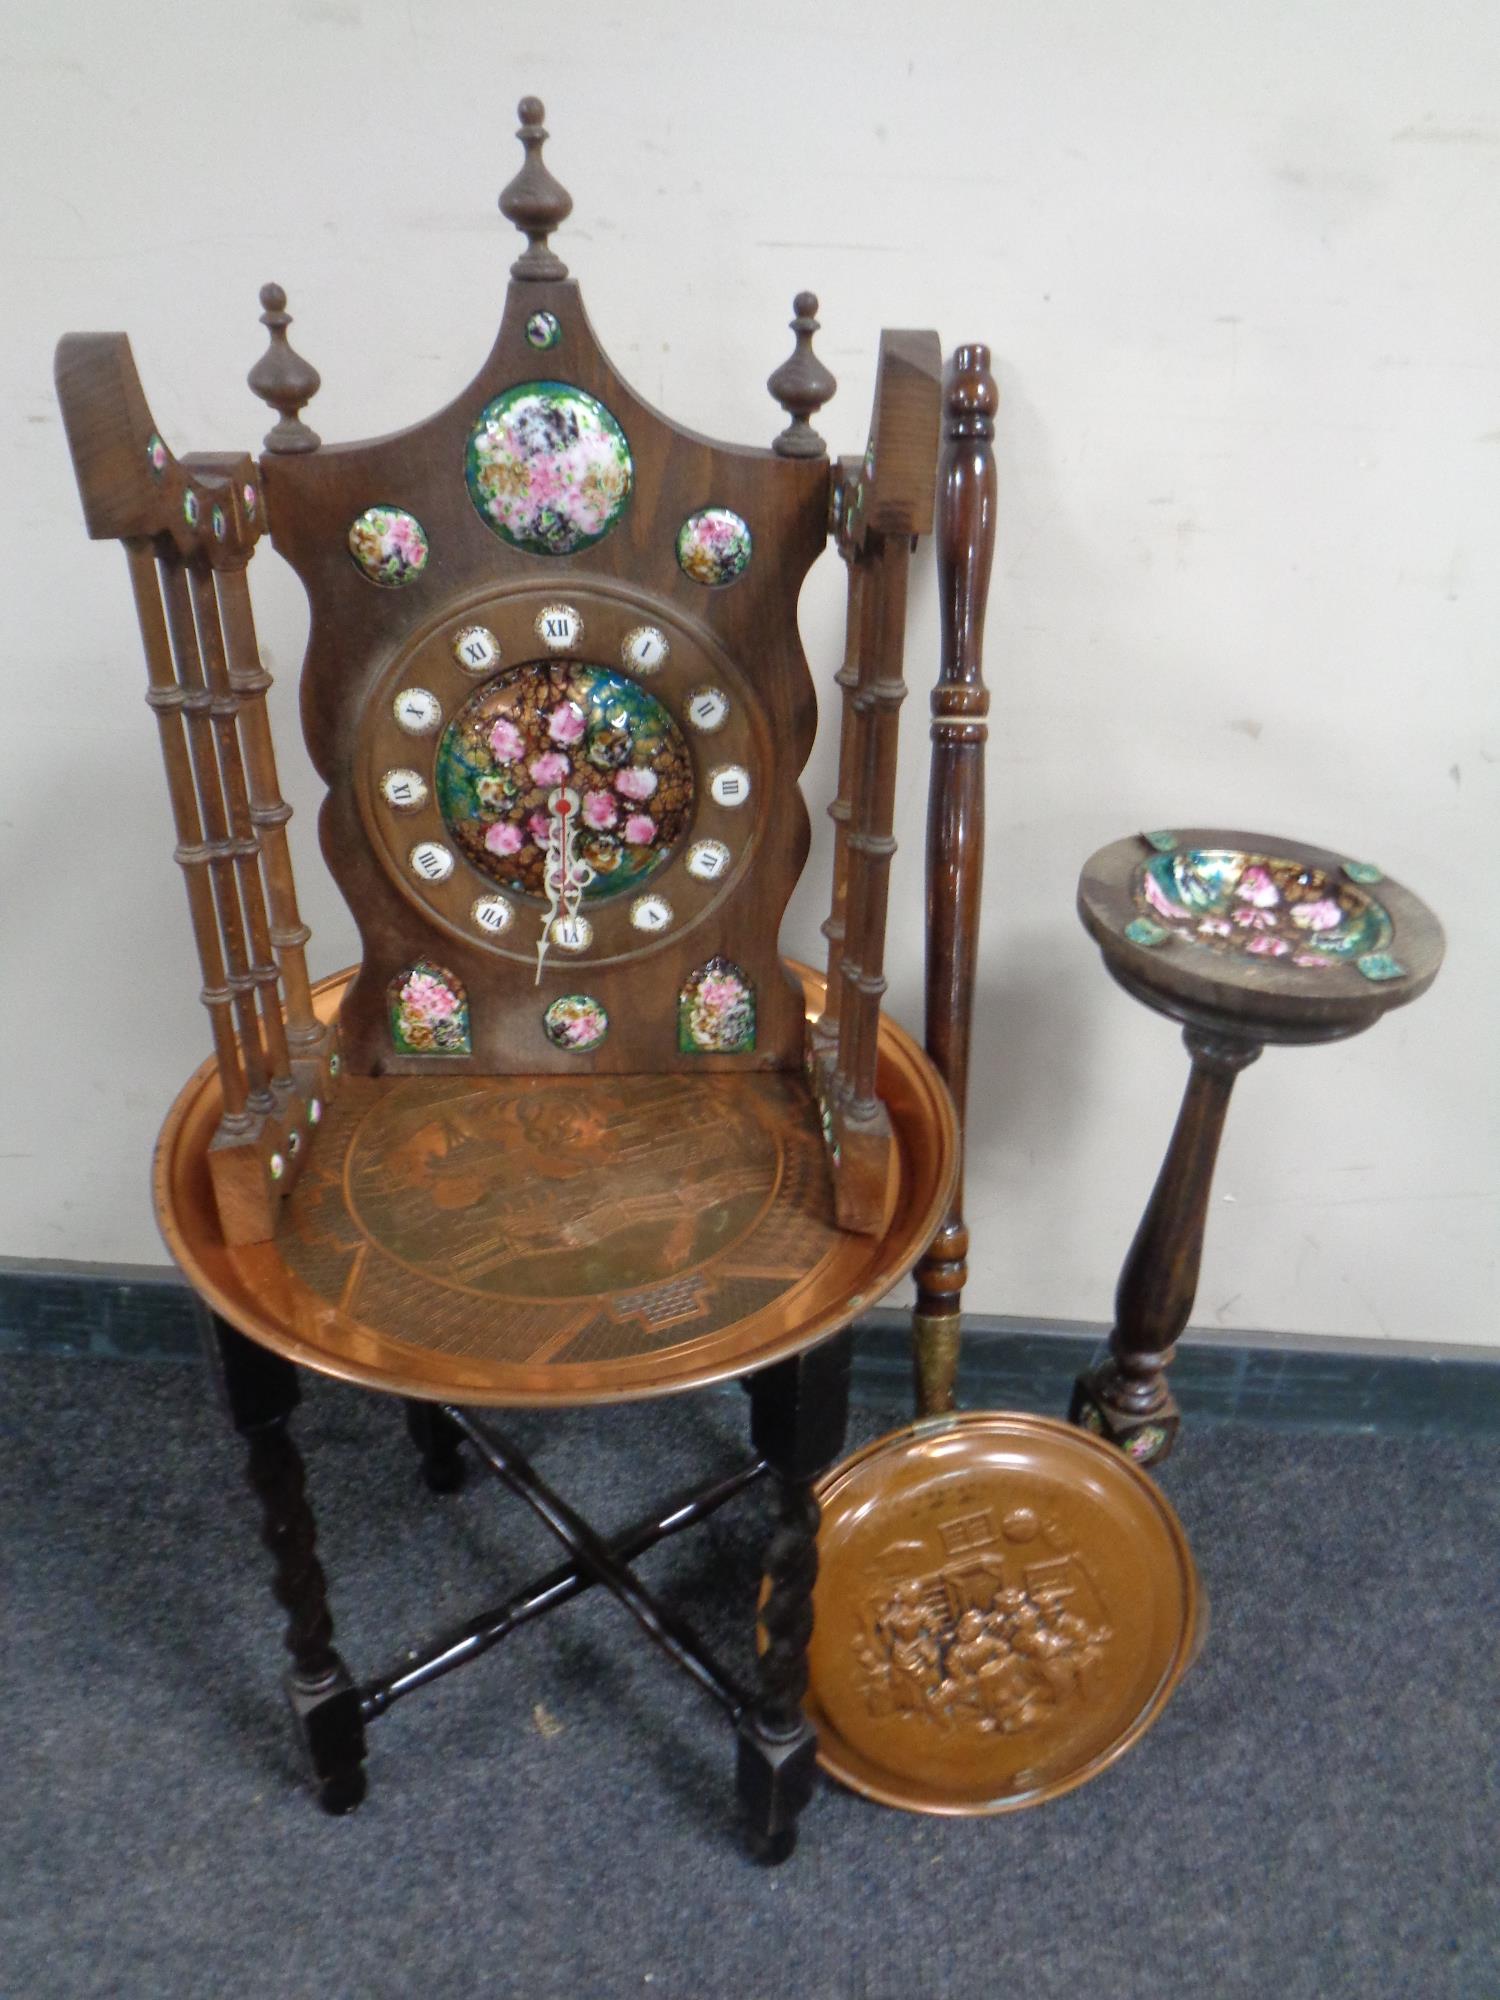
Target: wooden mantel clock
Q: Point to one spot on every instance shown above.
(555, 690)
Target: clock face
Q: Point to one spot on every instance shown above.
(565, 723)
(563, 773)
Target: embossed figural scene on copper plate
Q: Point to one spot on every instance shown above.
(1004, 1605)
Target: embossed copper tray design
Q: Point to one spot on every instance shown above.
(534, 1240)
(1004, 1605)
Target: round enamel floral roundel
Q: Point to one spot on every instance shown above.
(548, 468)
(389, 546)
(556, 723)
(713, 547)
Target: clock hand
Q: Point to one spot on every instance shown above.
(557, 867)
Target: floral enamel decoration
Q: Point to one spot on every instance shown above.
(714, 547)
(1261, 906)
(190, 508)
(553, 727)
(156, 454)
(389, 546)
(1141, 930)
(220, 525)
(543, 330)
(576, 1023)
(1380, 965)
(429, 1012)
(1146, 1442)
(548, 468)
(716, 1011)
(251, 499)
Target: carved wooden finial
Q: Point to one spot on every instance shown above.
(283, 379)
(802, 385)
(534, 201)
(972, 397)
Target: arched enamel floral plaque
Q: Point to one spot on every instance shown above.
(548, 468)
(716, 1011)
(429, 1012)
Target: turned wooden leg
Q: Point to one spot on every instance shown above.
(259, 1390)
(437, 1438)
(799, 1417)
(1127, 1399)
(936, 1321)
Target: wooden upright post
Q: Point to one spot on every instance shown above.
(955, 826)
(882, 503)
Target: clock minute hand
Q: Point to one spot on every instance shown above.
(556, 866)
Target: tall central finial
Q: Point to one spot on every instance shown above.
(534, 201)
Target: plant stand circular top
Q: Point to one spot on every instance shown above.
(1256, 935)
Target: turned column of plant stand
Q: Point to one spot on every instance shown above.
(1246, 939)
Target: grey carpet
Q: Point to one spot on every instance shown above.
(1315, 1815)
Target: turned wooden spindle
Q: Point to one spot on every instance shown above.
(955, 827)
(269, 812)
(1159, 1278)
(283, 379)
(535, 201)
(802, 385)
(798, 1422)
(870, 843)
(165, 697)
(222, 846)
(224, 708)
(825, 1030)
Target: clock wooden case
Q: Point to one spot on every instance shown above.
(555, 689)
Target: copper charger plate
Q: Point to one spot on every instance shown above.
(556, 1239)
(1004, 1605)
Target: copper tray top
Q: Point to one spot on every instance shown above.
(534, 1240)
(1004, 1604)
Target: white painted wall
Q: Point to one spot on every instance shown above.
(1237, 267)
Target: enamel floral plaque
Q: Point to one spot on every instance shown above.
(389, 546)
(548, 468)
(716, 1011)
(1259, 905)
(575, 1022)
(713, 547)
(429, 1013)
